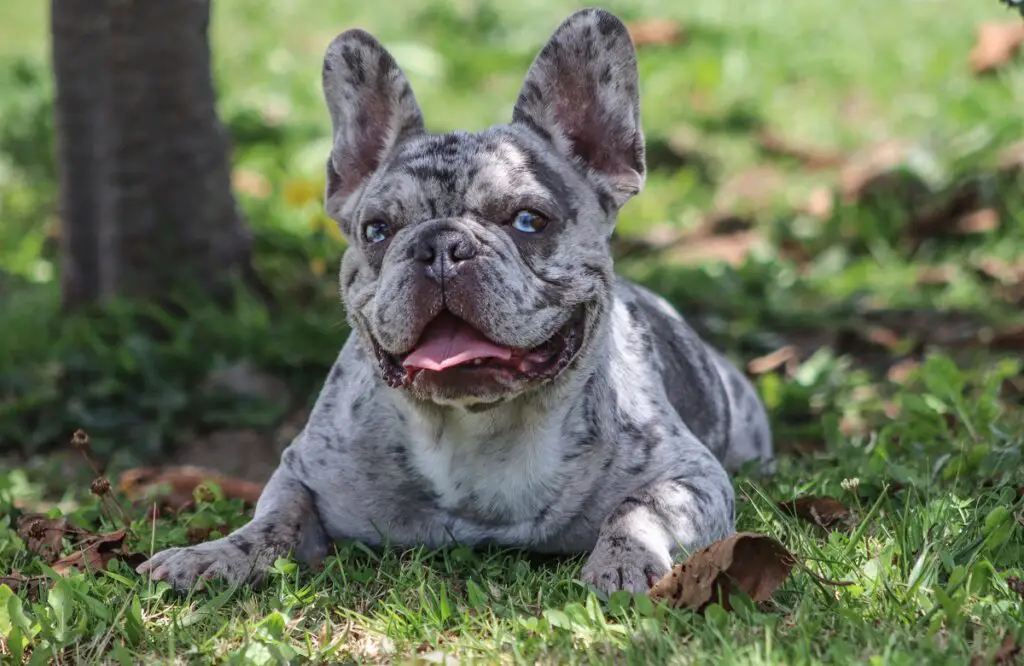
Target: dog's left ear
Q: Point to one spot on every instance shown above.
(581, 94)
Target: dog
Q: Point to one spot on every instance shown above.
(502, 385)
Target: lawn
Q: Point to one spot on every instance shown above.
(879, 310)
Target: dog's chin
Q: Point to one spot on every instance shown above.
(482, 383)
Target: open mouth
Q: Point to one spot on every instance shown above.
(450, 348)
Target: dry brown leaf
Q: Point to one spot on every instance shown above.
(752, 563)
(44, 536)
(820, 204)
(810, 157)
(977, 222)
(1006, 653)
(866, 170)
(732, 249)
(251, 183)
(900, 372)
(96, 554)
(650, 32)
(750, 190)
(936, 275)
(17, 581)
(824, 512)
(174, 486)
(881, 336)
(1002, 271)
(1016, 584)
(996, 44)
(1006, 339)
(1011, 159)
(784, 356)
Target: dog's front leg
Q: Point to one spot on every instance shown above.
(285, 520)
(687, 509)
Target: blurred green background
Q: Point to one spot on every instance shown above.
(760, 249)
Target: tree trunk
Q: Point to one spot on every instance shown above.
(146, 204)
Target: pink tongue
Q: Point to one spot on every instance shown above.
(448, 342)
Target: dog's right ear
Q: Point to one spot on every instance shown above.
(372, 110)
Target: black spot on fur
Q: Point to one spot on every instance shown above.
(354, 61)
(607, 25)
(700, 495)
(527, 120)
(241, 543)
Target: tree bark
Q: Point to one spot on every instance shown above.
(146, 204)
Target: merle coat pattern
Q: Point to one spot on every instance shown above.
(616, 443)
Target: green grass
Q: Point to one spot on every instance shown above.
(927, 565)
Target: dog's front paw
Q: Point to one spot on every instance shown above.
(622, 563)
(222, 559)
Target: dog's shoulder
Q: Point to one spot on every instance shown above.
(687, 368)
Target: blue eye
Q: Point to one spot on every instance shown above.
(529, 222)
(376, 232)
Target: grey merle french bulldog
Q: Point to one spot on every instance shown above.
(502, 385)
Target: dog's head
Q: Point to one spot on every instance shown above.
(479, 265)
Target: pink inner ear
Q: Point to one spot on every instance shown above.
(600, 140)
(371, 138)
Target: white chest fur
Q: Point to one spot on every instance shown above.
(483, 471)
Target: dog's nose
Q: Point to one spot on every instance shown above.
(441, 251)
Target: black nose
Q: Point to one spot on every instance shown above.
(441, 251)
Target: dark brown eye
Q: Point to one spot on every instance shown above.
(529, 222)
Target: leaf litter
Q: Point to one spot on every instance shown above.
(825, 512)
(751, 563)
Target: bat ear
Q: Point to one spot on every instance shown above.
(372, 108)
(582, 94)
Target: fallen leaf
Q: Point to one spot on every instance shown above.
(822, 511)
(996, 44)
(752, 563)
(650, 32)
(732, 250)
(1010, 160)
(1002, 271)
(17, 581)
(936, 275)
(884, 171)
(881, 336)
(901, 371)
(809, 157)
(784, 356)
(251, 183)
(1016, 584)
(174, 486)
(750, 190)
(977, 222)
(44, 536)
(1006, 653)
(96, 553)
(1005, 339)
(820, 204)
